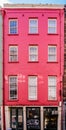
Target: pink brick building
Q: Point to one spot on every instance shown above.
(33, 66)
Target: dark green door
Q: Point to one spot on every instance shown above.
(16, 118)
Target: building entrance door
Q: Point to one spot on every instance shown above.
(16, 118)
(33, 118)
(50, 118)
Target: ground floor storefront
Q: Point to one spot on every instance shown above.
(33, 118)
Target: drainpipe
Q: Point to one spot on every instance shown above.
(3, 12)
(61, 73)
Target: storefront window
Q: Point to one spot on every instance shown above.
(50, 118)
(33, 118)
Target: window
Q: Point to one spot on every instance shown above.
(13, 53)
(52, 26)
(13, 84)
(52, 53)
(33, 53)
(33, 26)
(32, 87)
(51, 87)
(13, 26)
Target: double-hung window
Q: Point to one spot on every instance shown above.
(33, 26)
(13, 26)
(52, 53)
(52, 26)
(33, 53)
(13, 53)
(32, 87)
(52, 83)
(13, 87)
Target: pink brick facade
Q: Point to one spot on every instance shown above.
(42, 69)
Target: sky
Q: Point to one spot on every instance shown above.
(33, 1)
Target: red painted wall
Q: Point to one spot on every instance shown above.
(43, 68)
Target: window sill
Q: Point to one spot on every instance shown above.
(13, 34)
(52, 33)
(55, 100)
(53, 62)
(12, 100)
(33, 33)
(13, 62)
(33, 61)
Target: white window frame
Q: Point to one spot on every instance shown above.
(30, 91)
(33, 26)
(52, 88)
(13, 55)
(52, 26)
(33, 54)
(13, 98)
(13, 27)
(52, 54)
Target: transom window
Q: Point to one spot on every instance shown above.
(52, 53)
(13, 26)
(13, 85)
(33, 26)
(52, 26)
(52, 82)
(13, 53)
(33, 53)
(32, 87)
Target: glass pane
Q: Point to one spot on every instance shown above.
(33, 30)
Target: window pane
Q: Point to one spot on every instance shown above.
(33, 25)
(33, 53)
(13, 87)
(52, 26)
(52, 53)
(13, 26)
(32, 82)
(13, 53)
(52, 87)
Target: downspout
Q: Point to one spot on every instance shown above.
(3, 12)
(61, 73)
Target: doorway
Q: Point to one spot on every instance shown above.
(50, 118)
(16, 118)
(33, 118)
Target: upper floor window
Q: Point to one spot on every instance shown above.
(52, 26)
(52, 53)
(13, 86)
(13, 26)
(33, 26)
(33, 53)
(32, 87)
(52, 83)
(13, 53)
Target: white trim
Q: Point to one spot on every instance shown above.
(37, 6)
